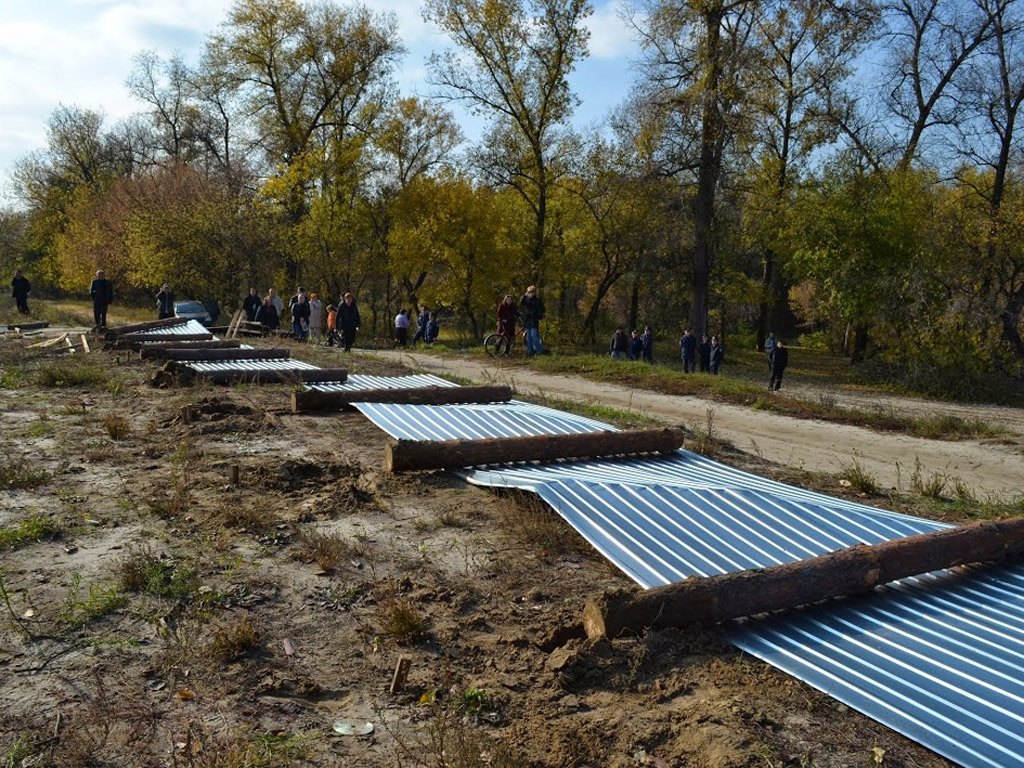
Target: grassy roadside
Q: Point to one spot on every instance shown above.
(743, 384)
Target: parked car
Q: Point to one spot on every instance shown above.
(193, 310)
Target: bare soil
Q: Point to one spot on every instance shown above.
(278, 607)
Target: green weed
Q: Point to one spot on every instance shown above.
(402, 621)
(141, 570)
(30, 530)
(18, 473)
(859, 478)
(96, 603)
(56, 376)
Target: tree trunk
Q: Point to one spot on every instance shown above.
(849, 571)
(411, 455)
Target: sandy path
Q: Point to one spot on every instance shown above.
(994, 469)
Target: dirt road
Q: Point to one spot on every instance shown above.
(993, 469)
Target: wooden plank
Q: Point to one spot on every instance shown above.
(49, 342)
(412, 455)
(139, 337)
(85, 343)
(173, 343)
(199, 354)
(313, 400)
(850, 571)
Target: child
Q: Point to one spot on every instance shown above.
(332, 325)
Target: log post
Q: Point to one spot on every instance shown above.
(275, 376)
(850, 571)
(174, 343)
(200, 354)
(411, 455)
(315, 400)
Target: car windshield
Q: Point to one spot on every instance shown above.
(189, 307)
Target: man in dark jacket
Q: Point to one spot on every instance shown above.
(101, 291)
(777, 361)
(717, 353)
(165, 302)
(251, 304)
(532, 312)
(688, 351)
(348, 320)
(20, 289)
(619, 344)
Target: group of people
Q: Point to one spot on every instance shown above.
(708, 352)
(636, 346)
(309, 317)
(528, 312)
(427, 327)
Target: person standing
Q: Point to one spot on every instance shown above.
(508, 316)
(636, 346)
(619, 344)
(101, 291)
(401, 328)
(20, 289)
(769, 345)
(267, 316)
(300, 317)
(277, 301)
(433, 329)
(251, 303)
(532, 312)
(165, 302)
(332, 325)
(777, 363)
(715, 358)
(647, 345)
(421, 324)
(688, 351)
(348, 320)
(316, 318)
(704, 353)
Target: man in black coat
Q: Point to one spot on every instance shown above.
(165, 302)
(20, 289)
(102, 294)
(348, 320)
(531, 311)
(778, 360)
(251, 304)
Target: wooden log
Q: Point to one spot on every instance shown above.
(56, 340)
(167, 322)
(172, 343)
(850, 571)
(290, 376)
(313, 400)
(28, 326)
(85, 343)
(411, 455)
(136, 338)
(205, 354)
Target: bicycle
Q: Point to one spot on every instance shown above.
(499, 344)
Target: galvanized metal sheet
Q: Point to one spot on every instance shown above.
(359, 381)
(250, 366)
(191, 327)
(938, 658)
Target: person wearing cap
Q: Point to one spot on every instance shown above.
(532, 312)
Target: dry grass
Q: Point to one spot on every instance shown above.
(327, 550)
(402, 621)
(236, 638)
(117, 427)
(536, 525)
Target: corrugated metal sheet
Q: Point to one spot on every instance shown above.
(359, 381)
(938, 658)
(192, 326)
(250, 366)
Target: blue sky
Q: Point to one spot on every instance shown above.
(80, 52)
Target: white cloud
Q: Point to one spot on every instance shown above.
(611, 37)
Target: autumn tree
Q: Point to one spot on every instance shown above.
(512, 62)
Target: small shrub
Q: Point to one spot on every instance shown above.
(930, 487)
(705, 437)
(97, 602)
(402, 621)
(141, 570)
(116, 426)
(67, 376)
(27, 531)
(235, 639)
(18, 473)
(859, 478)
(325, 549)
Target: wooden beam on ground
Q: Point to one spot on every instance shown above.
(851, 571)
(201, 354)
(173, 343)
(167, 322)
(292, 376)
(249, 328)
(233, 325)
(85, 343)
(134, 338)
(412, 455)
(27, 326)
(332, 401)
(56, 340)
